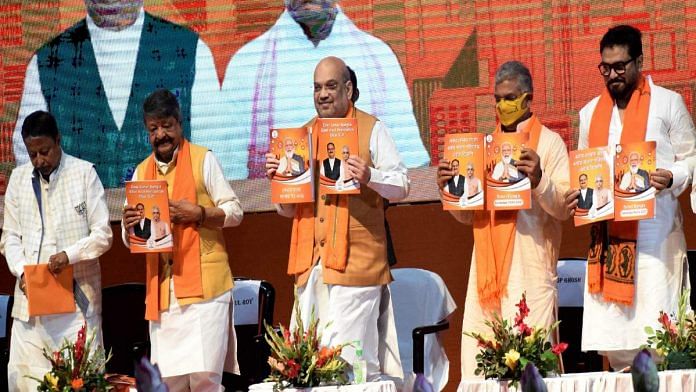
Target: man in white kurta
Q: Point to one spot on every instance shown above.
(661, 265)
(357, 309)
(537, 234)
(192, 342)
(115, 32)
(71, 226)
(264, 76)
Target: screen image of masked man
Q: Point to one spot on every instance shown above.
(263, 77)
(338, 254)
(648, 265)
(56, 214)
(516, 252)
(94, 77)
(189, 290)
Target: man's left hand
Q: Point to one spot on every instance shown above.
(183, 212)
(57, 262)
(660, 179)
(529, 165)
(358, 169)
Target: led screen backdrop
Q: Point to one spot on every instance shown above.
(425, 67)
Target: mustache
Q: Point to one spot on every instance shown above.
(165, 139)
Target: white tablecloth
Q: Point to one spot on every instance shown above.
(380, 386)
(670, 381)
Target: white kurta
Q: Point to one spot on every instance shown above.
(268, 84)
(116, 53)
(83, 238)
(534, 256)
(661, 264)
(198, 337)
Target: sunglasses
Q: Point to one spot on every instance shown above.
(619, 67)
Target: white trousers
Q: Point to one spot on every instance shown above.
(198, 382)
(30, 338)
(346, 314)
(190, 343)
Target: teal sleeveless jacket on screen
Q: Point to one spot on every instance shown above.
(73, 90)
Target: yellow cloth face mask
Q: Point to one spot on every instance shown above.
(510, 111)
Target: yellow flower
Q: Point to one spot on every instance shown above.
(511, 358)
(53, 380)
(529, 339)
(661, 352)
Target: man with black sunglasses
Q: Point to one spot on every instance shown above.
(650, 254)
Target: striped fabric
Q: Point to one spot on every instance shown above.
(80, 225)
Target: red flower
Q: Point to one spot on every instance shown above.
(523, 308)
(559, 348)
(57, 358)
(293, 369)
(79, 349)
(667, 323)
(524, 329)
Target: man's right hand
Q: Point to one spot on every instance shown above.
(23, 285)
(571, 201)
(271, 165)
(444, 173)
(131, 216)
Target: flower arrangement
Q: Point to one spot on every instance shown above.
(75, 367)
(299, 360)
(675, 342)
(506, 353)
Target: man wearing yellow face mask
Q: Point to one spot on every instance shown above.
(516, 252)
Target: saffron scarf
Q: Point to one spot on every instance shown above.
(186, 266)
(334, 253)
(611, 261)
(494, 238)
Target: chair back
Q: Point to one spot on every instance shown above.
(6, 302)
(253, 305)
(571, 294)
(125, 330)
(420, 298)
(571, 282)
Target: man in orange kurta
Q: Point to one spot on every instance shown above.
(516, 252)
(338, 253)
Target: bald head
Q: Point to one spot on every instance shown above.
(332, 88)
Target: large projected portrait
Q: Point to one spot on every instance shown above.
(241, 68)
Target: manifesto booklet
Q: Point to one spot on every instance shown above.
(633, 195)
(591, 173)
(507, 188)
(293, 181)
(153, 232)
(464, 191)
(338, 140)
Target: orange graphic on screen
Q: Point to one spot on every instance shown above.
(635, 197)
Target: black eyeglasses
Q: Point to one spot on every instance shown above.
(619, 67)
